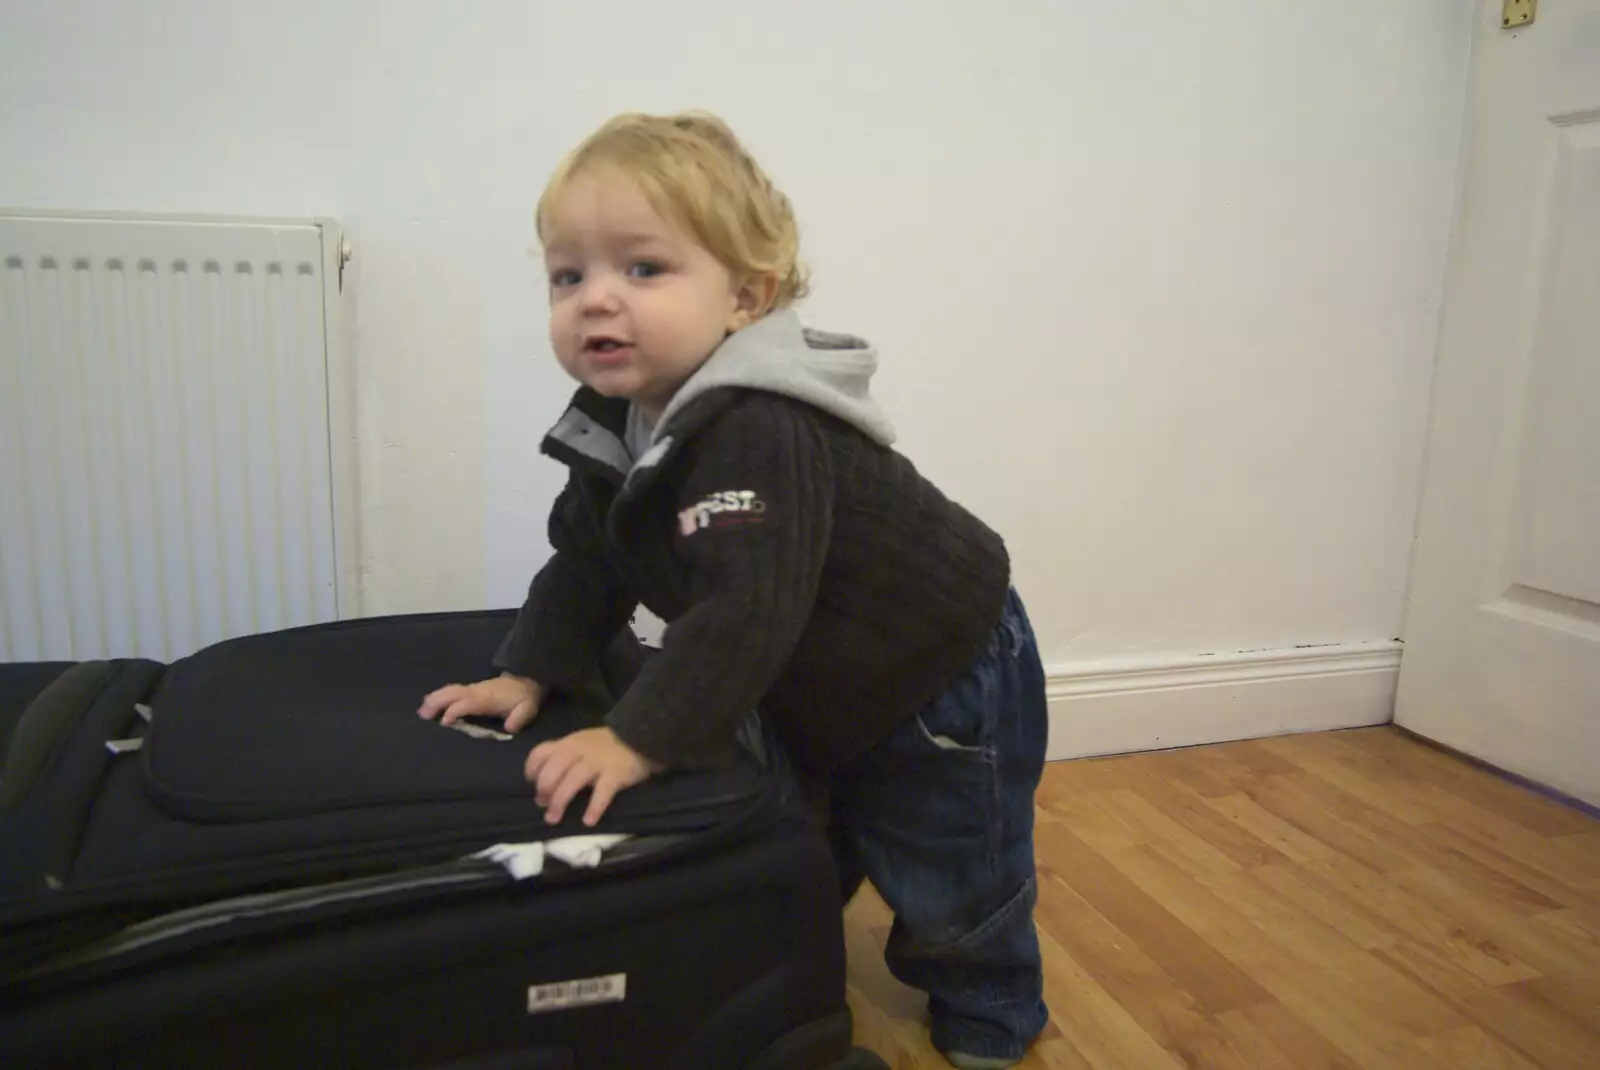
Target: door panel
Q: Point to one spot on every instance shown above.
(1502, 653)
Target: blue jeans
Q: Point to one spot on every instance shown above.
(939, 816)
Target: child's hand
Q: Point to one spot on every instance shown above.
(592, 757)
(516, 698)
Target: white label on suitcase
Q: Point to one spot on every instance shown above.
(563, 995)
(478, 731)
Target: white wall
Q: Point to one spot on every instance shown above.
(1155, 284)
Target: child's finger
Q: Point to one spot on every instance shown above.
(605, 789)
(555, 770)
(535, 762)
(465, 706)
(438, 700)
(577, 778)
(520, 716)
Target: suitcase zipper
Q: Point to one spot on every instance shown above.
(225, 912)
(469, 872)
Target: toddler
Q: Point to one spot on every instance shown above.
(730, 471)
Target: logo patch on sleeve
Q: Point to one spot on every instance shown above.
(724, 509)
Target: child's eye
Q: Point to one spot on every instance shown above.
(646, 269)
(565, 277)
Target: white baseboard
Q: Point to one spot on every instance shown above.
(1117, 707)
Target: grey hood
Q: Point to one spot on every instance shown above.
(776, 354)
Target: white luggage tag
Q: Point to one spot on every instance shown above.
(521, 860)
(582, 852)
(524, 860)
(128, 746)
(478, 731)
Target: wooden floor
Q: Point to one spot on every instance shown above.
(1345, 899)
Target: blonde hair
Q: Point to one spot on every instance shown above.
(694, 172)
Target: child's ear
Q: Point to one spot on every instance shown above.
(752, 300)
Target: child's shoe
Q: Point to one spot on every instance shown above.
(979, 1062)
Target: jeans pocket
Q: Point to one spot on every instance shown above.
(1007, 932)
(949, 745)
(964, 718)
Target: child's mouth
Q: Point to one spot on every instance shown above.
(607, 351)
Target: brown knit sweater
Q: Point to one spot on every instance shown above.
(801, 566)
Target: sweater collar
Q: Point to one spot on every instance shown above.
(590, 435)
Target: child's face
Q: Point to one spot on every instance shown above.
(636, 305)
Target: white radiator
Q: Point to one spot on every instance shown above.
(168, 472)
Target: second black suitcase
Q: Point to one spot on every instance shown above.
(283, 867)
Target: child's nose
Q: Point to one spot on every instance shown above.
(599, 294)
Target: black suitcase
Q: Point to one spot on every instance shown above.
(260, 857)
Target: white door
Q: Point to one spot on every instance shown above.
(1502, 655)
